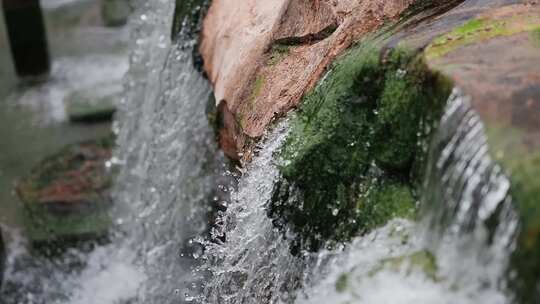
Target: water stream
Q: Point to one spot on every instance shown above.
(170, 175)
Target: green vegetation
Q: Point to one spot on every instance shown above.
(522, 164)
(478, 30)
(525, 260)
(356, 142)
(257, 87)
(535, 37)
(278, 52)
(342, 282)
(65, 196)
(423, 260)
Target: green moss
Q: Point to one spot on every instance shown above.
(535, 37)
(525, 259)
(342, 282)
(522, 165)
(43, 226)
(354, 141)
(383, 202)
(66, 195)
(478, 30)
(257, 87)
(278, 52)
(525, 192)
(423, 260)
(256, 90)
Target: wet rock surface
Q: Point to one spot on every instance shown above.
(357, 143)
(263, 62)
(93, 104)
(66, 196)
(268, 61)
(494, 58)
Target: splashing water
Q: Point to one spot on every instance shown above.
(168, 170)
(402, 262)
(167, 160)
(254, 264)
(168, 154)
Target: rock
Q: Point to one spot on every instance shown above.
(380, 98)
(93, 104)
(494, 57)
(263, 57)
(353, 149)
(115, 12)
(66, 197)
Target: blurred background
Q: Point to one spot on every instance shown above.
(61, 68)
(70, 102)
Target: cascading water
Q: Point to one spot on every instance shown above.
(254, 264)
(167, 163)
(169, 166)
(402, 262)
(168, 156)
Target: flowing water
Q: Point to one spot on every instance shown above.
(460, 258)
(171, 175)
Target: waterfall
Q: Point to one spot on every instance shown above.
(168, 156)
(169, 168)
(456, 252)
(167, 163)
(254, 264)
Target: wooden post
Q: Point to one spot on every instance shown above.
(27, 36)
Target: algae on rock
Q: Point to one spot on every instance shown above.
(355, 142)
(66, 196)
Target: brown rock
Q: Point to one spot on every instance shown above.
(66, 196)
(500, 71)
(263, 56)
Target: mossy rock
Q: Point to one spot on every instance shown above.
(480, 30)
(66, 196)
(115, 12)
(522, 165)
(423, 261)
(525, 191)
(481, 42)
(361, 134)
(94, 104)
